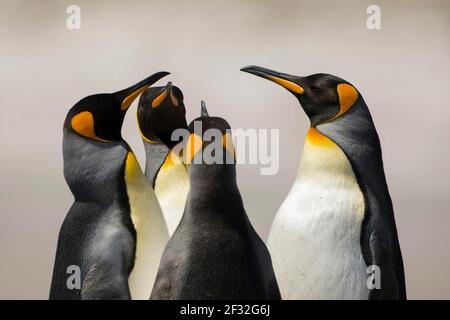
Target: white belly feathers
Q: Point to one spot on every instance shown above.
(171, 188)
(315, 237)
(151, 230)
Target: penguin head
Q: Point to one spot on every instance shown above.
(323, 97)
(161, 111)
(100, 117)
(209, 148)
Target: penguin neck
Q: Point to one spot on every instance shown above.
(357, 137)
(317, 156)
(355, 134)
(155, 155)
(92, 169)
(208, 176)
(355, 127)
(214, 191)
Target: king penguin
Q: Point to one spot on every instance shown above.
(161, 112)
(114, 233)
(215, 253)
(335, 233)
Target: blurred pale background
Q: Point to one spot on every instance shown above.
(402, 71)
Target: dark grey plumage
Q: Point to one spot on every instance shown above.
(215, 253)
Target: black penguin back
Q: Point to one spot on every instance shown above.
(215, 253)
(95, 229)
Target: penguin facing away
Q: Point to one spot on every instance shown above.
(114, 232)
(337, 223)
(215, 253)
(160, 112)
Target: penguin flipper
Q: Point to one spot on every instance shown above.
(103, 282)
(379, 239)
(390, 286)
(107, 277)
(162, 289)
(164, 284)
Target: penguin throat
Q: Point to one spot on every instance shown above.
(223, 175)
(316, 138)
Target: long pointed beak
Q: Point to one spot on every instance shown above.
(204, 111)
(127, 96)
(174, 99)
(169, 86)
(283, 79)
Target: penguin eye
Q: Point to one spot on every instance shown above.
(315, 88)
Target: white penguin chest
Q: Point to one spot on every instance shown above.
(151, 230)
(171, 188)
(315, 238)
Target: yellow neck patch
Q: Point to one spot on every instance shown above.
(171, 160)
(316, 138)
(83, 124)
(132, 165)
(168, 163)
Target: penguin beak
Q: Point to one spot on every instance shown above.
(169, 90)
(204, 111)
(127, 96)
(287, 81)
(166, 91)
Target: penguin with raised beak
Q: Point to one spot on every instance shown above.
(335, 237)
(161, 112)
(112, 238)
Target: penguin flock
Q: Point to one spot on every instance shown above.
(179, 230)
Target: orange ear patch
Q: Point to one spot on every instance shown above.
(83, 124)
(347, 97)
(157, 101)
(194, 145)
(227, 142)
(174, 100)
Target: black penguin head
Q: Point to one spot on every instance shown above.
(209, 149)
(324, 97)
(161, 111)
(100, 117)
